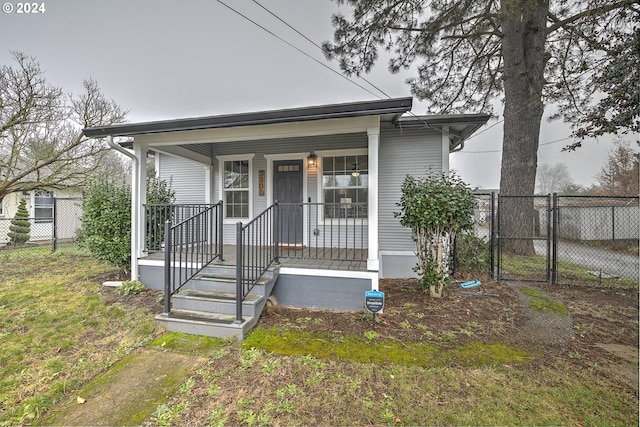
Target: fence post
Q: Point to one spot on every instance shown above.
(554, 240)
(239, 272)
(492, 225)
(613, 223)
(54, 231)
(167, 267)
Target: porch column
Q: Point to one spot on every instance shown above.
(138, 199)
(373, 133)
(445, 149)
(208, 184)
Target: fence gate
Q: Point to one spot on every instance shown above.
(523, 230)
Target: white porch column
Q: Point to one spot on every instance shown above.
(138, 199)
(445, 149)
(373, 262)
(208, 184)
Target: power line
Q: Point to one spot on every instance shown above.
(294, 47)
(316, 45)
(498, 151)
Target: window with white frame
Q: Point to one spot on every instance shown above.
(43, 206)
(236, 179)
(345, 186)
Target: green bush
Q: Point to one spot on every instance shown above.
(472, 254)
(20, 228)
(106, 218)
(130, 287)
(106, 222)
(436, 208)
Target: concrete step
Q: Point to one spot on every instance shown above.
(207, 324)
(215, 302)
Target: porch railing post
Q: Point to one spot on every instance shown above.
(167, 266)
(239, 272)
(221, 230)
(276, 232)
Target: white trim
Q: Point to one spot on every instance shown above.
(229, 158)
(269, 182)
(139, 187)
(445, 149)
(208, 184)
(296, 271)
(347, 274)
(262, 132)
(398, 253)
(373, 134)
(320, 187)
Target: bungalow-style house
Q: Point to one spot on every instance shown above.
(294, 203)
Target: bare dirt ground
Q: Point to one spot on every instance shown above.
(601, 328)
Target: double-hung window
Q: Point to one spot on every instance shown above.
(43, 206)
(345, 186)
(236, 188)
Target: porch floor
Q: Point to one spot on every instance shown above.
(304, 257)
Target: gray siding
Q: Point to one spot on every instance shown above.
(321, 293)
(259, 162)
(187, 178)
(402, 153)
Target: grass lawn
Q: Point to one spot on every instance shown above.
(55, 331)
(57, 334)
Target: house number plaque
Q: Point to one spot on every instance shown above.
(261, 183)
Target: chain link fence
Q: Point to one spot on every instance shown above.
(57, 232)
(596, 239)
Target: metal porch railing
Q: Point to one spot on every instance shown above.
(329, 231)
(256, 250)
(189, 243)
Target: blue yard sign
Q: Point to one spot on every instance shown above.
(374, 301)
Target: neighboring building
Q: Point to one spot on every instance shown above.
(40, 205)
(335, 170)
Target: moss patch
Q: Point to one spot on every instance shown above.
(544, 302)
(129, 392)
(189, 344)
(353, 349)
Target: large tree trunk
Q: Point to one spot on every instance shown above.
(524, 35)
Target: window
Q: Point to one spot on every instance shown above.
(1, 206)
(236, 188)
(345, 182)
(43, 206)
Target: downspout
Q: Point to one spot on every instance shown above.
(135, 210)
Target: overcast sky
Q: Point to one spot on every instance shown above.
(169, 59)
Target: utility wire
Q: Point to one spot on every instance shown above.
(294, 47)
(498, 151)
(315, 44)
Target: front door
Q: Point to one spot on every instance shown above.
(287, 182)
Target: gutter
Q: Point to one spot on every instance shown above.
(135, 208)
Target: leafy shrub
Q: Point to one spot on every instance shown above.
(20, 228)
(472, 254)
(436, 208)
(106, 218)
(106, 222)
(130, 287)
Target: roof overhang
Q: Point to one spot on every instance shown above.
(388, 110)
(459, 126)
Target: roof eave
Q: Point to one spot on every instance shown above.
(392, 108)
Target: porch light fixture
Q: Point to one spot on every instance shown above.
(312, 159)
